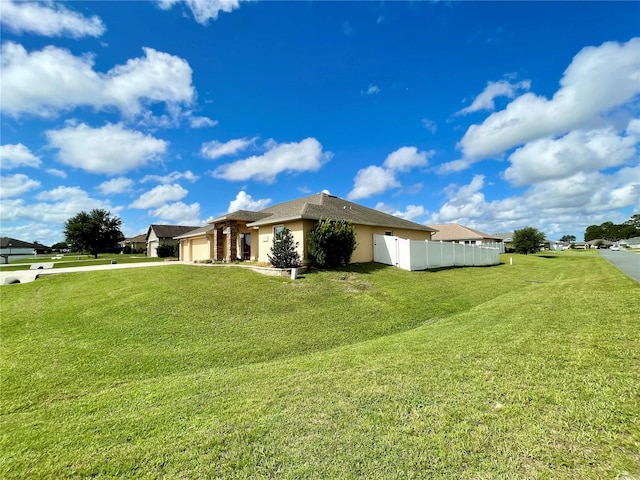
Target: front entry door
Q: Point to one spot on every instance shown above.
(246, 247)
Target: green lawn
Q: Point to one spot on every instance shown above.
(530, 370)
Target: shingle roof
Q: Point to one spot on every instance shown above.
(240, 215)
(453, 231)
(504, 236)
(138, 238)
(196, 232)
(322, 205)
(15, 243)
(169, 231)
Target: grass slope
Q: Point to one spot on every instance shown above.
(522, 371)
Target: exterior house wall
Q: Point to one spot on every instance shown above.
(364, 240)
(299, 229)
(225, 243)
(152, 244)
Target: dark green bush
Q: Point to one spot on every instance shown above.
(332, 243)
(165, 250)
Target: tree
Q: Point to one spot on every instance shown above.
(634, 221)
(60, 246)
(612, 232)
(94, 232)
(568, 238)
(527, 240)
(284, 250)
(332, 243)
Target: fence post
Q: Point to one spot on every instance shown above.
(426, 243)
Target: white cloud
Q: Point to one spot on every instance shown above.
(202, 122)
(598, 80)
(204, 10)
(54, 206)
(157, 77)
(578, 151)
(159, 196)
(556, 207)
(14, 156)
(171, 178)
(48, 19)
(244, 201)
(56, 173)
(111, 149)
(485, 101)
(406, 158)
(466, 201)
(305, 156)
(214, 149)
(372, 180)
(371, 90)
(429, 125)
(411, 213)
(16, 185)
(116, 186)
(179, 213)
(52, 80)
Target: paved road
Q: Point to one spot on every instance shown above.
(627, 262)
(25, 276)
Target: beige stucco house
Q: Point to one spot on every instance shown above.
(136, 244)
(248, 235)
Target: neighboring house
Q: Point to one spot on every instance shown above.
(557, 245)
(507, 240)
(163, 234)
(248, 235)
(12, 248)
(598, 243)
(452, 232)
(633, 243)
(137, 244)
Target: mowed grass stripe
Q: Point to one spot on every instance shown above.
(537, 380)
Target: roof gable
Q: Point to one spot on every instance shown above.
(169, 231)
(322, 205)
(453, 231)
(15, 243)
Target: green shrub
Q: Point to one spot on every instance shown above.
(165, 250)
(284, 250)
(332, 243)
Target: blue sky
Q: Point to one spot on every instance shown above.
(494, 115)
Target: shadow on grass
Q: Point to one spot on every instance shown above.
(369, 268)
(364, 268)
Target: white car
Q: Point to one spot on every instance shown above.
(615, 248)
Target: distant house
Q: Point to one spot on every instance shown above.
(633, 243)
(452, 232)
(163, 234)
(248, 235)
(598, 243)
(137, 244)
(12, 248)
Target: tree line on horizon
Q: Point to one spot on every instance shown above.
(614, 232)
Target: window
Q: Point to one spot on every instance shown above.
(389, 233)
(278, 229)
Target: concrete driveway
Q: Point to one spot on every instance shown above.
(26, 276)
(627, 262)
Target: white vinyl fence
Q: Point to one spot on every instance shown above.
(422, 255)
